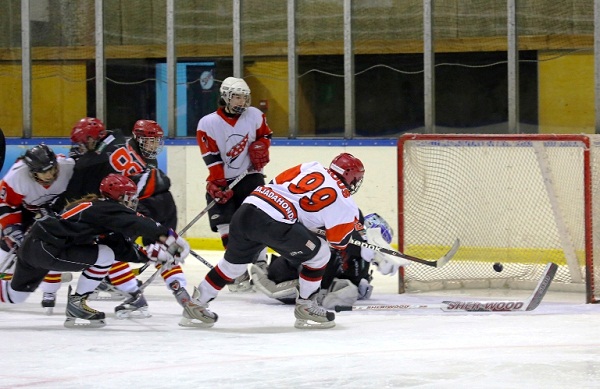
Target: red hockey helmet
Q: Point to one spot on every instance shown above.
(121, 189)
(349, 170)
(88, 127)
(149, 137)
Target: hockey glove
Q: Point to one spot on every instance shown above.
(217, 189)
(386, 264)
(364, 289)
(12, 236)
(259, 154)
(159, 254)
(177, 246)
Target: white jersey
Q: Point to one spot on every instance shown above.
(224, 141)
(311, 195)
(18, 188)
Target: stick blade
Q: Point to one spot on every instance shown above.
(448, 256)
(542, 286)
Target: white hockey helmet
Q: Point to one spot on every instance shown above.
(235, 86)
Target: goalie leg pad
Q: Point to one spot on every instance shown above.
(340, 292)
(263, 284)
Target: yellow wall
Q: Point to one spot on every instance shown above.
(566, 93)
(58, 98)
(272, 86)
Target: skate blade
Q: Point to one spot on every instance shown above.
(194, 323)
(48, 311)
(137, 314)
(310, 324)
(244, 287)
(95, 296)
(72, 322)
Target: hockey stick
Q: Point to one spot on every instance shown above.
(437, 263)
(198, 257)
(136, 272)
(153, 276)
(149, 280)
(212, 203)
(472, 306)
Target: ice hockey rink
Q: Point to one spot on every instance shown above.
(255, 345)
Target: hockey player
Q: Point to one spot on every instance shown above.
(27, 190)
(347, 277)
(135, 158)
(233, 139)
(87, 237)
(283, 215)
(93, 146)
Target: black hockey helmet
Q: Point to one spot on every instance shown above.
(41, 160)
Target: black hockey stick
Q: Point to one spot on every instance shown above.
(437, 263)
(198, 257)
(472, 306)
(212, 203)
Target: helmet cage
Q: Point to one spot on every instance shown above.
(130, 200)
(149, 137)
(373, 220)
(235, 86)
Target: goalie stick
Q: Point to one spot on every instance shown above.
(437, 263)
(212, 203)
(472, 306)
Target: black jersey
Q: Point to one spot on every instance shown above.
(93, 166)
(87, 222)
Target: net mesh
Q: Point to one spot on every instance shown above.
(518, 201)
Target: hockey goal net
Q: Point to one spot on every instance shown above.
(518, 200)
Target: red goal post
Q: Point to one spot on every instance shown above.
(519, 200)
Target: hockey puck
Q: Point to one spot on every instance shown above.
(498, 267)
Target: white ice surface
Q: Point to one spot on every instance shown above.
(255, 345)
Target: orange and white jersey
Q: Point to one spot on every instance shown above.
(18, 188)
(311, 195)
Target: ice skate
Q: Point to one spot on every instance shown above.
(309, 314)
(196, 314)
(181, 295)
(135, 307)
(77, 309)
(106, 291)
(49, 302)
(242, 284)
(263, 284)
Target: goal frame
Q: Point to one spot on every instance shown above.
(587, 187)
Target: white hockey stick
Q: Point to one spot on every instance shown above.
(437, 263)
(472, 306)
(212, 203)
